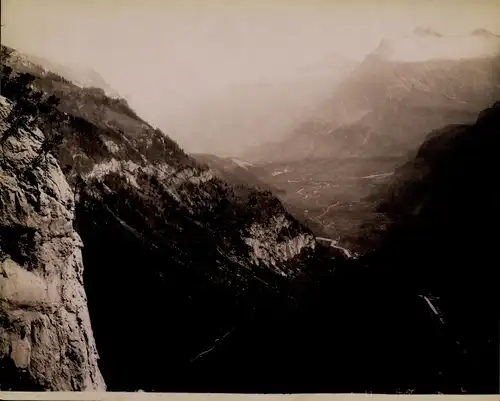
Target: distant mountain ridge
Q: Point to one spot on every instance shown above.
(373, 122)
(380, 84)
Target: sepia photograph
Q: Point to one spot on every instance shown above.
(250, 197)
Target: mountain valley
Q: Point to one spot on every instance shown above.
(373, 123)
(327, 262)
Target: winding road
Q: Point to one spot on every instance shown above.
(334, 244)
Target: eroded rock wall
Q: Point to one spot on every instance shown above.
(46, 339)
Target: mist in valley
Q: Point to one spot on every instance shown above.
(224, 77)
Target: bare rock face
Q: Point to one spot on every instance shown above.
(266, 247)
(46, 340)
(181, 247)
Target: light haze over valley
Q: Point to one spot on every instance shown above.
(225, 76)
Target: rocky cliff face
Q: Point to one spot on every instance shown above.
(46, 339)
(167, 243)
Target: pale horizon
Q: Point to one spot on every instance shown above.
(166, 57)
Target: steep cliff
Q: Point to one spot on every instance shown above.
(167, 243)
(46, 339)
(444, 209)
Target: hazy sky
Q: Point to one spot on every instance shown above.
(164, 54)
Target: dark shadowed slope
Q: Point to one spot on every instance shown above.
(174, 256)
(422, 311)
(445, 211)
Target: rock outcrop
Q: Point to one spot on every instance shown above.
(46, 339)
(167, 241)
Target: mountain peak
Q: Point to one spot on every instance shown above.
(384, 49)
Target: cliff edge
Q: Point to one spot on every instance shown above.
(46, 339)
